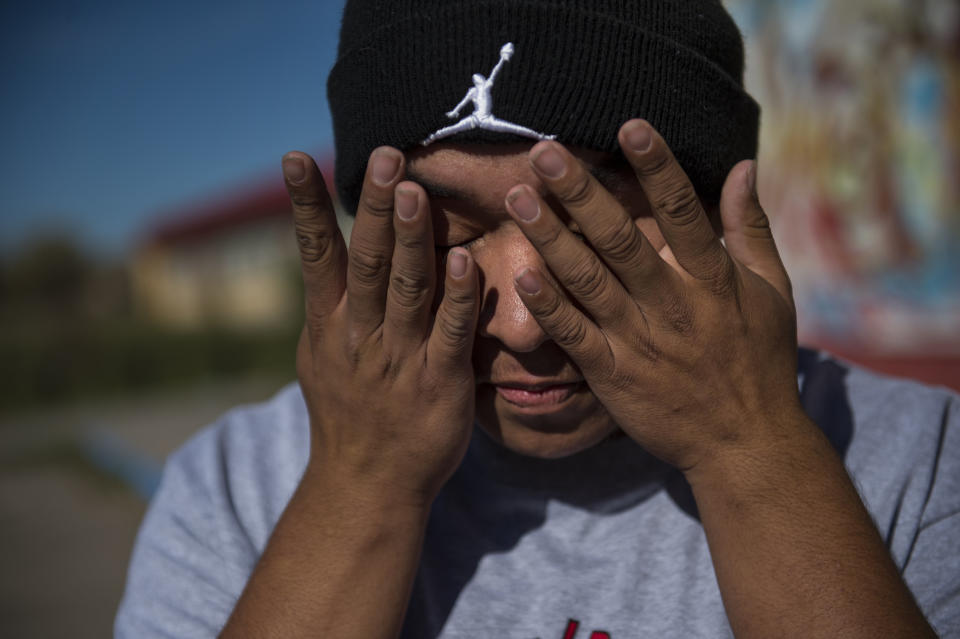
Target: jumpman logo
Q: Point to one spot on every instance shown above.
(482, 116)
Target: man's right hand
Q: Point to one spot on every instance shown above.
(390, 393)
(388, 384)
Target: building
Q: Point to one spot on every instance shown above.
(231, 263)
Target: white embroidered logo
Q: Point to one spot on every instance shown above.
(482, 116)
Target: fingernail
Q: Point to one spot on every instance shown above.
(638, 137)
(385, 167)
(527, 282)
(457, 260)
(406, 204)
(525, 205)
(294, 170)
(752, 178)
(550, 163)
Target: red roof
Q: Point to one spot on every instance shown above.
(265, 200)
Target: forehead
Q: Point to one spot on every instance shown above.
(470, 172)
(483, 174)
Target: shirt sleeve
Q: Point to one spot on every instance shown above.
(192, 556)
(932, 569)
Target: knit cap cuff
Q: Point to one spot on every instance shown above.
(576, 73)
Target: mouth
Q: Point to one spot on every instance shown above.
(547, 395)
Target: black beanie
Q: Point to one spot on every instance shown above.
(581, 68)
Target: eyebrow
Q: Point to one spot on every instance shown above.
(610, 174)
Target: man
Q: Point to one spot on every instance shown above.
(644, 462)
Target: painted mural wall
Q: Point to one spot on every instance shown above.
(860, 164)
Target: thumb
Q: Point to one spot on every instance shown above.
(746, 228)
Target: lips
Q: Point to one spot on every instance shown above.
(536, 395)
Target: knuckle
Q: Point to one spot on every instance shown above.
(376, 204)
(411, 241)
(566, 329)
(571, 332)
(356, 344)
(587, 279)
(366, 265)
(678, 316)
(757, 225)
(655, 164)
(453, 329)
(388, 367)
(551, 238)
(306, 201)
(621, 243)
(551, 308)
(680, 203)
(316, 242)
(410, 289)
(648, 348)
(759, 219)
(579, 191)
(643, 343)
(722, 278)
(460, 300)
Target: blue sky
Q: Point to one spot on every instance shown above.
(116, 113)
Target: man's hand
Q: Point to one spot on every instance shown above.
(688, 349)
(389, 386)
(693, 352)
(390, 393)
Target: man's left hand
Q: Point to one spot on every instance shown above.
(691, 349)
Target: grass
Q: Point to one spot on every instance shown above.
(45, 363)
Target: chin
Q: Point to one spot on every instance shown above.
(547, 433)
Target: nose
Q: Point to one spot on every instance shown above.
(503, 315)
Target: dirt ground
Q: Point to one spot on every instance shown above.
(67, 525)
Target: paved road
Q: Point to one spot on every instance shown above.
(66, 525)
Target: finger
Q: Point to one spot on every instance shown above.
(323, 254)
(602, 219)
(412, 275)
(574, 264)
(746, 228)
(567, 326)
(451, 340)
(371, 241)
(675, 203)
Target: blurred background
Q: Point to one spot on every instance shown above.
(148, 269)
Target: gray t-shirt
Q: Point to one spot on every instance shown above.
(603, 544)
